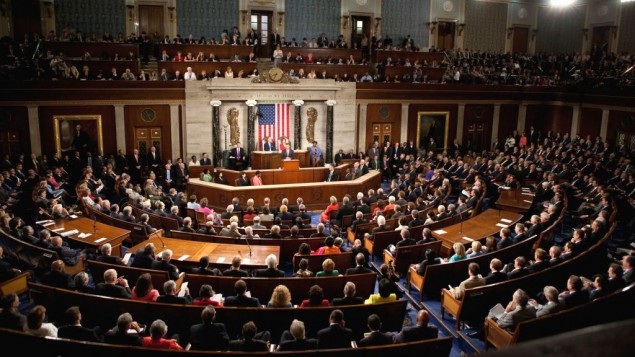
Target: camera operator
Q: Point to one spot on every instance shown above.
(387, 271)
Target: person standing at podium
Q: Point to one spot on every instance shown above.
(287, 153)
(238, 154)
(269, 145)
(316, 154)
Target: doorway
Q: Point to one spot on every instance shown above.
(151, 19)
(26, 19)
(360, 26)
(521, 40)
(476, 134)
(445, 35)
(262, 25)
(601, 38)
(145, 137)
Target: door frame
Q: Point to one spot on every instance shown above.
(138, 17)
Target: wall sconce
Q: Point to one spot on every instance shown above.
(460, 28)
(533, 34)
(585, 33)
(614, 31)
(510, 31)
(171, 11)
(280, 16)
(345, 21)
(244, 13)
(432, 26)
(49, 8)
(130, 13)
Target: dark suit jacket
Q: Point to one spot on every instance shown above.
(162, 265)
(142, 260)
(334, 336)
(298, 345)
(416, 333)
(109, 259)
(357, 270)
(354, 300)
(241, 301)
(116, 291)
(334, 176)
(209, 337)
(290, 154)
(173, 299)
(205, 162)
(269, 147)
(376, 338)
(77, 333)
(495, 277)
(122, 338)
(236, 273)
(268, 273)
(248, 346)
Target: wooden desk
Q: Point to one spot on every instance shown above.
(515, 200)
(315, 192)
(209, 67)
(220, 255)
(476, 228)
(96, 49)
(324, 53)
(431, 74)
(115, 236)
(330, 69)
(381, 56)
(262, 160)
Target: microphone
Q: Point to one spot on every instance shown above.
(248, 246)
(158, 236)
(94, 223)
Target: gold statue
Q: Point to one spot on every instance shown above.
(234, 129)
(310, 125)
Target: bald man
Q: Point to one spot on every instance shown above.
(422, 331)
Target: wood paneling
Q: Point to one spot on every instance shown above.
(389, 114)
(620, 121)
(590, 122)
(521, 39)
(413, 117)
(151, 19)
(480, 118)
(47, 130)
(134, 120)
(26, 18)
(15, 120)
(508, 121)
(549, 117)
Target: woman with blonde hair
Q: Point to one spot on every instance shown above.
(325, 217)
(459, 253)
(281, 297)
(476, 249)
(328, 268)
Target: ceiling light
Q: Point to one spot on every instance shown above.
(561, 3)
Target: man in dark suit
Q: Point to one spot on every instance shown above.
(495, 275)
(287, 153)
(205, 160)
(241, 300)
(119, 335)
(107, 257)
(295, 339)
(376, 337)
(239, 157)
(381, 227)
(346, 209)
(153, 160)
(422, 331)
(360, 260)
(57, 277)
(269, 145)
(134, 166)
(349, 296)
(143, 258)
(164, 264)
(235, 269)
(251, 341)
(271, 271)
(339, 157)
(336, 335)
(274, 39)
(74, 330)
(208, 336)
(181, 175)
(331, 175)
(113, 286)
(171, 297)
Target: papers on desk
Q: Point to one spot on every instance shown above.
(440, 231)
(182, 291)
(505, 188)
(220, 259)
(44, 221)
(73, 216)
(501, 225)
(126, 258)
(497, 311)
(246, 261)
(528, 194)
(218, 297)
(100, 240)
(505, 220)
(47, 224)
(57, 229)
(84, 235)
(527, 201)
(69, 233)
(183, 257)
(468, 239)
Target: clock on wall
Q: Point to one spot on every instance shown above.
(275, 74)
(148, 115)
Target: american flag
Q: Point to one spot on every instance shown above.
(273, 121)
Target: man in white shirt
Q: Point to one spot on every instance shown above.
(189, 75)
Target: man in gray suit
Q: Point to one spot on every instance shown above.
(517, 311)
(553, 304)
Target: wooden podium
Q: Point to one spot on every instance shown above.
(290, 172)
(263, 160)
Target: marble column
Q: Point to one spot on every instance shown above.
(575, 122)
(522, 117)
(174, 127)
(217, 153)
(459, 124)
(496, 122)
(34, 129)
(252, 111)
(361, 127)
(404, 122)
(120, 124)
(329, 130)
(297, 124)
(604, 126)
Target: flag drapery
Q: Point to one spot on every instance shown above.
(273, 121)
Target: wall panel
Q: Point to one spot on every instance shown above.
(385, 114)
(309, 18)
(620, 121)
(486, 24)
(206, 17)
(508, 120)
(134, 120)
(590, 122)
(89, 16)
(401, 18)
(626, 40)
(549, 117)
(560, 29)
(16, 120)
(479, 115)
